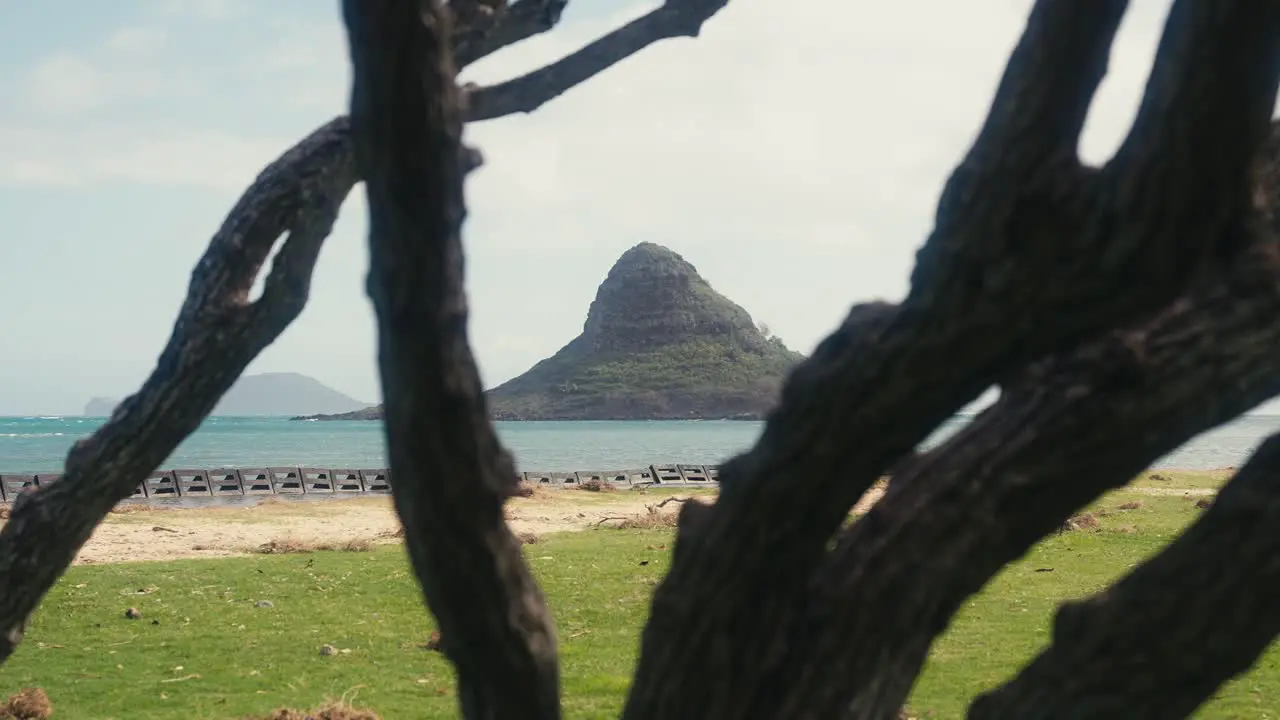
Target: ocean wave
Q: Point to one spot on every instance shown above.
(27, 435)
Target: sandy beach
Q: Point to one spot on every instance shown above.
(142, 532)
(145, 533)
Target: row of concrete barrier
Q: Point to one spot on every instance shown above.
(305, 480)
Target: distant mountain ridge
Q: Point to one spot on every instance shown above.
(265, 395)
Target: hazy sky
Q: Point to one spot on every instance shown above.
(793, 153)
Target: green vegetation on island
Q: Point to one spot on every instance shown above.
(658, 343)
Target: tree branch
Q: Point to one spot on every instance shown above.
(1160, 641)
(1207, 105)
(676, 18)
(1017, 268)
(1073, 428)
(217, 334)
(1079, 426)
(1042, 101)
(510, 24)
(452, 475)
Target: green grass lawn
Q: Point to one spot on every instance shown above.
(203, 648)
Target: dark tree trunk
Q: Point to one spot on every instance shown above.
(451, 475)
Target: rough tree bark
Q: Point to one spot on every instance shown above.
(1121, 310)
(218, 332)
(451, 475)
(1032, 255)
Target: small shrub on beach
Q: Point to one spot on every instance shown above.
(1083, 521)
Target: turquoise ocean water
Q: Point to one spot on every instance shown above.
(29, 444)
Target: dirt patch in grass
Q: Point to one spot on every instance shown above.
(648, 520)
(656, 515)
(289, 545)
(1132, 505)
(328, 712)
(27, 704)
(135, 508)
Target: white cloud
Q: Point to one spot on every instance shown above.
(66, 82)
(202, 158)
(217, 10)
(137, 41)
(121, 70)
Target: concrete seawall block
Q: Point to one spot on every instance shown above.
(286, 481)
(257, 481)
(347, 481)
(193, 483)
(693, 474)
(161, 484)
(12, 485)
(667, 475)
(226, 481)
(317, 480)
(376, 480)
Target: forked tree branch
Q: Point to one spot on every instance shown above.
(1067, 46)
(511, 24)
(452, 476)
(219, 331)
(1165, 637)
(1080, 425)
(1201, 109)
(1021, 265)
(1074, 427)
(676, 18)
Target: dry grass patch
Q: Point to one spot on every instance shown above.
(648, 521)
(1083, 521)
(27, 704)
(333, 711)
(133, 508)
(1132, 505)
(597, 485)
(291, 546)
(656, 515)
